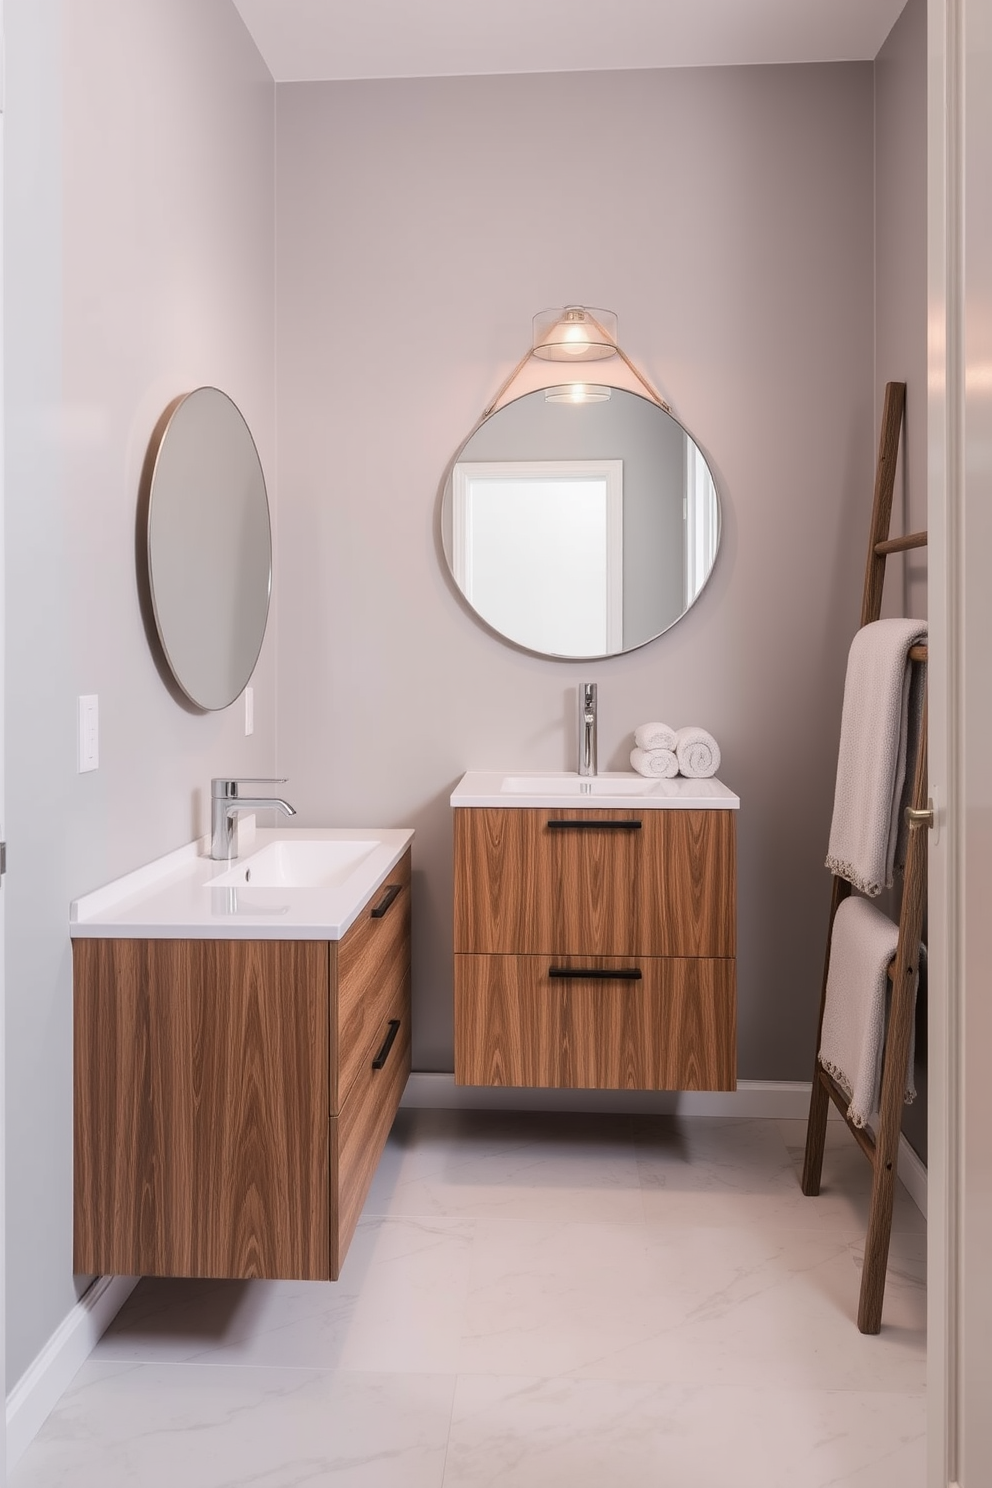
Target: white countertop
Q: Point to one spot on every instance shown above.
(172, 898)
(612, 788)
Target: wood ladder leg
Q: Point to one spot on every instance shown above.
(883, 1190)
(816, 1135)
(819, 1100)
(898, 1040)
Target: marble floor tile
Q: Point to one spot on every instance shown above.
(547, 1298)
(397, 1306)
(527, 1432)
(742, 1306)
(207, 1426)
(512, 1165)
(710, 1305)
(533, 1300)
(716, 1172)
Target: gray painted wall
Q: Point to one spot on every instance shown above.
(901, 278)
(421, 225)
(139, 159)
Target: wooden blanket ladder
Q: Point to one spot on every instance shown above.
(881, 1147)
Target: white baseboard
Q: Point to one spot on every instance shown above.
(778, 1100)
(913, 1172)
(39, 1389)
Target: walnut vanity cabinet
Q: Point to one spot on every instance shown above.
(232, 1097)
(595, 948)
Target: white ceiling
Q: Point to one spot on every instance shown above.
(311, 40)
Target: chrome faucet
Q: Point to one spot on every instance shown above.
(226, 804)
(587, 729)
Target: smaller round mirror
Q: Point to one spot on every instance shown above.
(580, 521)
(209, 546)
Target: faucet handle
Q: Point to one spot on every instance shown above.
(226, 788)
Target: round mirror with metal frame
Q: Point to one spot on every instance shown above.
(208, 546)
(580, 524)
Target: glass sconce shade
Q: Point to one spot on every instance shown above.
(577, 392)
(576, 333)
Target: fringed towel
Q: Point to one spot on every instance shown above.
(879, 739)
(656, 763)
(654, 736)
(697, 752)
(862, 945)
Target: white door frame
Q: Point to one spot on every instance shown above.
(3, 814)
(960, 602)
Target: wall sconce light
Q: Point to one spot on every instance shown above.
(575, 334)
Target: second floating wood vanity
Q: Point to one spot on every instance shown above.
(595, 933)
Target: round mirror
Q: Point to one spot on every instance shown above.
(580, 524)
(209, 546)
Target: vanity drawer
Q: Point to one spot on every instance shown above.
(358, 1134)
(671, 1028)
(372, 967)
(619, 882)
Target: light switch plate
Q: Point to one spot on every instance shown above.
(89, 732)
(249, 710)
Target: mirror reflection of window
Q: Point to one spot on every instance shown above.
(557, 527)
(702, 522)
(670, 521)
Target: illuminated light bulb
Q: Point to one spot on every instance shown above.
(575, 333)
(576, 340)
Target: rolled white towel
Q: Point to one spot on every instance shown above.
(655, 763)
(697, 752)
(654, 736)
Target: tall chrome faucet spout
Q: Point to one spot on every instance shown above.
(588, 727)
(226, 802)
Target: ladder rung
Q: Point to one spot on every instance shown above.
(918, 653)
(900, 544)
(861, 1134)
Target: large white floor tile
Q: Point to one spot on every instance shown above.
(197, 1426)
(671, 1303)
(743, 1306)
(527, 1432)
(624, 1299)
(513, 1165)
(724, 1172)
(397, 1306)
(547, 1298)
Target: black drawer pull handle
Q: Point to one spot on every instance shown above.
(626, 974)
(387, 1044)
(391, 891)
(594, 826)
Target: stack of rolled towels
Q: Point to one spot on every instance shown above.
(662, 753)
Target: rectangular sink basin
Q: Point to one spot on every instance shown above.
(577, 785)
(297, 865)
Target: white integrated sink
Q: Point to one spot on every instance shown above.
(287, 864)
(578, 785)
(301, 883)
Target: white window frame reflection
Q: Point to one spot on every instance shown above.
(702, 522)
(468, 479)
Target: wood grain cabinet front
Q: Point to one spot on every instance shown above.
(595, 948)
(232, 1097)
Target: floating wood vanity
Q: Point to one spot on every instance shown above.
(234, 1088)
(595, 943)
